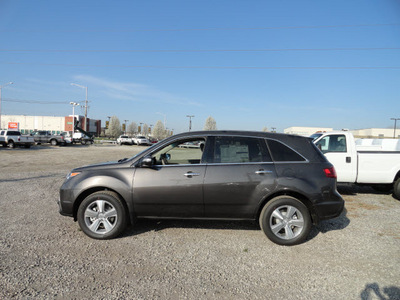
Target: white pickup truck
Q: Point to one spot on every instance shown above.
(368, 162)
(13, 138)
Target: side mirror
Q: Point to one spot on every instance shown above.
(147, 162)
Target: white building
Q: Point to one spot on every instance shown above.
(377, 133)
(56, 125)
(305, 131)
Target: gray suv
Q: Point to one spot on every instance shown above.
(283, 181)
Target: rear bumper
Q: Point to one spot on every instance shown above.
(330, 207)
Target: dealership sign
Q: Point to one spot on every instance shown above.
(13, 126)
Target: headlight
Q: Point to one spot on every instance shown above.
(72, 174)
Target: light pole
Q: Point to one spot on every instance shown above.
(73, 116)
(140, 124)
(394, 129)
(190, 121)
(86, 100)
(125, 125)
(1, 86)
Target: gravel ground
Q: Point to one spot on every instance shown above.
(45, 255)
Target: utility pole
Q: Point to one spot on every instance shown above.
(394, 129)
(86, 102)
(1, 86)
(73, 116)
(190, 121)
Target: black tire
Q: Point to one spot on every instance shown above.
(53, 142)
(285, 230)
(396, 189)
(102, 225)
(27, 146)
(83, 142)
(11, 144)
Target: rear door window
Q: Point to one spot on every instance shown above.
(229, 149)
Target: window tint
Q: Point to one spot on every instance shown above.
(13, 133)
(333, 143)
(181, 152)
(239, 150)
(281, 152)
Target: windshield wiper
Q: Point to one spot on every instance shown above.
(121, 160)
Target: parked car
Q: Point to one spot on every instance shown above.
(124, 140)
(141, 140)
(67, 137)
(282, 181)
(13, 138)
(44, 136)
(376, 164)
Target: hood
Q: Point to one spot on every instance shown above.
(104, 165)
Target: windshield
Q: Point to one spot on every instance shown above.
(141, 152)
(315, 136)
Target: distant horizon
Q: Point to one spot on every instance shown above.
(249, 65)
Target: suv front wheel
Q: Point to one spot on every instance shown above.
(285, 221)
(102, 215)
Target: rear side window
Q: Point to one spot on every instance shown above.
(239, 150)
(13, 133)
(281, 152)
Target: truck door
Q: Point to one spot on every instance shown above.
(338, 151)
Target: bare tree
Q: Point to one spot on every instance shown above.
(114, 127)
(265, 129)
(210, 124)
(132, 128)
(159, 131)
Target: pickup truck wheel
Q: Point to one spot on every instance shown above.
(102, 215)
(396, 189)
(11, 144)
(53, 142)
(83, 142)
(285, 221)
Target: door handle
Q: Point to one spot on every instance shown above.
(190, 174)
(260, 172)
(348, 159)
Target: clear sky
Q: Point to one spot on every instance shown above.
(248, 64)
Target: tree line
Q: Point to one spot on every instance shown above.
(159, 132)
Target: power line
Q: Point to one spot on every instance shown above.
(210, 67)
(206, 29)
(201, 50)
(34, 101)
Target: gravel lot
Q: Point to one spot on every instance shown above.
(45, 255)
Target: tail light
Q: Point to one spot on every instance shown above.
(330, 172)
(19, 139)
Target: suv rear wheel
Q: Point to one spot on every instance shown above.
(102, 215)
(285, 221)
